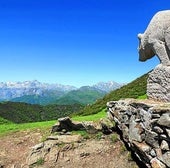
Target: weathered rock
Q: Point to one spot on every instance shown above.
(157, 129)
(90, 127)
(152, 139)
(158, 84)
(107, 126)
(142, 147)
(168, 132)
(39, 151)
(164, 120)
(135, 130)
(153, 153)
(164, 145)
(166, 158)
(67, 125)
(155, 163)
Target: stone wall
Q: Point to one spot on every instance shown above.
(145, 127)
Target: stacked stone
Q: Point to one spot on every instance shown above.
(145, 128)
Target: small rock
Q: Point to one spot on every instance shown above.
(155, 163)
(90, 128)
(54, 137)
(152, 139)
(38, 146)
(84, 154)
(156, 116)
(168, 132)
(135, 130)
(153, 153)
(159, 153)
(164, 120)
(166, 158)
(157, 129)
(164, 145)
(142, 146)
(107, 126)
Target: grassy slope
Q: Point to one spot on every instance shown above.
(86, 96)
(132, 90)
(7, 128)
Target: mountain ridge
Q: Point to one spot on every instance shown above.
(35, 92)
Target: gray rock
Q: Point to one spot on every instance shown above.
(158, 129)
(135, 130)
(145, 117)
(164, 145)
(125, 132)
(168, 132)
(90, 128)
(158, 84)
(155, 163)
(107, 126)
(166, 158)
(67, 125)
(152, 139)
(164, 120)
(38, 146)
(156, 116)
(145, 129)
(153, 153)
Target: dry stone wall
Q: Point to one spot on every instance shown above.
(145, 127)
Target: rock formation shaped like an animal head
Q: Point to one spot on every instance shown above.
(156, 39)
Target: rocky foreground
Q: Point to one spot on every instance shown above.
(76, 149)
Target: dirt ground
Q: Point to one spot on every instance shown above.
(91, 153)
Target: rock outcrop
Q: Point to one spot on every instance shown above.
(61, 134)
(145, 127)
(65, 125)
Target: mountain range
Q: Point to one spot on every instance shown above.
(35, 92)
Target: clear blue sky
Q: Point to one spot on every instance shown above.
(75, 42)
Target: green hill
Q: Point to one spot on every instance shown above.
(134, 89)
(24, 113)
(48, 97)
(85, 95)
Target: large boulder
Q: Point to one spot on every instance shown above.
(66, 124)
(158, 84)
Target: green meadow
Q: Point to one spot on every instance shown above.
(9, 127)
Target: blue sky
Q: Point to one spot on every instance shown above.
(75, 42)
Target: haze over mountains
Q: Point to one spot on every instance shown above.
(35, 92)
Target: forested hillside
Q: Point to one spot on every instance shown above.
(23, 112)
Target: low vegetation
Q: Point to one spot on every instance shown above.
(24, 113)
(9, 127)
(134, 89)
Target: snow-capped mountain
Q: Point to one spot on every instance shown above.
(10, 90)
(35, 92)
(107, 86)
